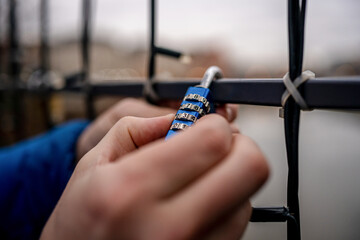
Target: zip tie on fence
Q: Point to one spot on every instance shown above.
(292, 89)
(149, 92)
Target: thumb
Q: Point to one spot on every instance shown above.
(129, 133)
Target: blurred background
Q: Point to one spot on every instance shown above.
(246, 38)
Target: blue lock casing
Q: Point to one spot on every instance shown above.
(197, 113)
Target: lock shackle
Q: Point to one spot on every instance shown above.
(211, 74)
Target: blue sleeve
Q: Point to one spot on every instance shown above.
(33, 175)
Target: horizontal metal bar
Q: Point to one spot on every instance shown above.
(318, 93)
(74, 78)
(335, 93)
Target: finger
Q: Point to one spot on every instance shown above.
(174, 104)
(126, 107)
(234, 128)
(138, 108)
(169, 166)
(232, 111)
(228, 111)
(232, 226)
(129, 133)
(227, 185)
(130, 107)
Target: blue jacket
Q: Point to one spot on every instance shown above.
(33, 175)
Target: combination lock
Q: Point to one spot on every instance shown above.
(196, 103)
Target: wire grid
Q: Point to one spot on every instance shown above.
(319, 93)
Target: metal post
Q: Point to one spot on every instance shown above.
(152, 60)
(45, 61)
(14, 66)
(44, 36)
(85, 47)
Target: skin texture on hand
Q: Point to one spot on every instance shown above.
(126, 107)
(135, 108)
(135, 185)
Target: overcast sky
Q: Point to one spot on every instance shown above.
(246, 30)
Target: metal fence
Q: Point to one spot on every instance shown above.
(318, 93)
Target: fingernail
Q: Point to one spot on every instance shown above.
(229, 114)
(170, 115)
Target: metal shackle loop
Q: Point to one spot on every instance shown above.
(211, 74)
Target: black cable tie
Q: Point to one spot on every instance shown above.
(168, 52)
(269, 214)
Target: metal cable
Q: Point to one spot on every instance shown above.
(296, 21)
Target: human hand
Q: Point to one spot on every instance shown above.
(136, 108)
(196, 185)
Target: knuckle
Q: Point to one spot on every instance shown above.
(104, 156)
(179, 226)
(124, 107)
(257, 163)
(172, 233)
(176, 230)
(216, 141)
(109, 201)
(128, 102)
(217, 136)
(120, 125)
(135, 180)
(261, 168)
(98, 199)
(247, 209)
(125, 122)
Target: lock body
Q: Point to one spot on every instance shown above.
(196, 103)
